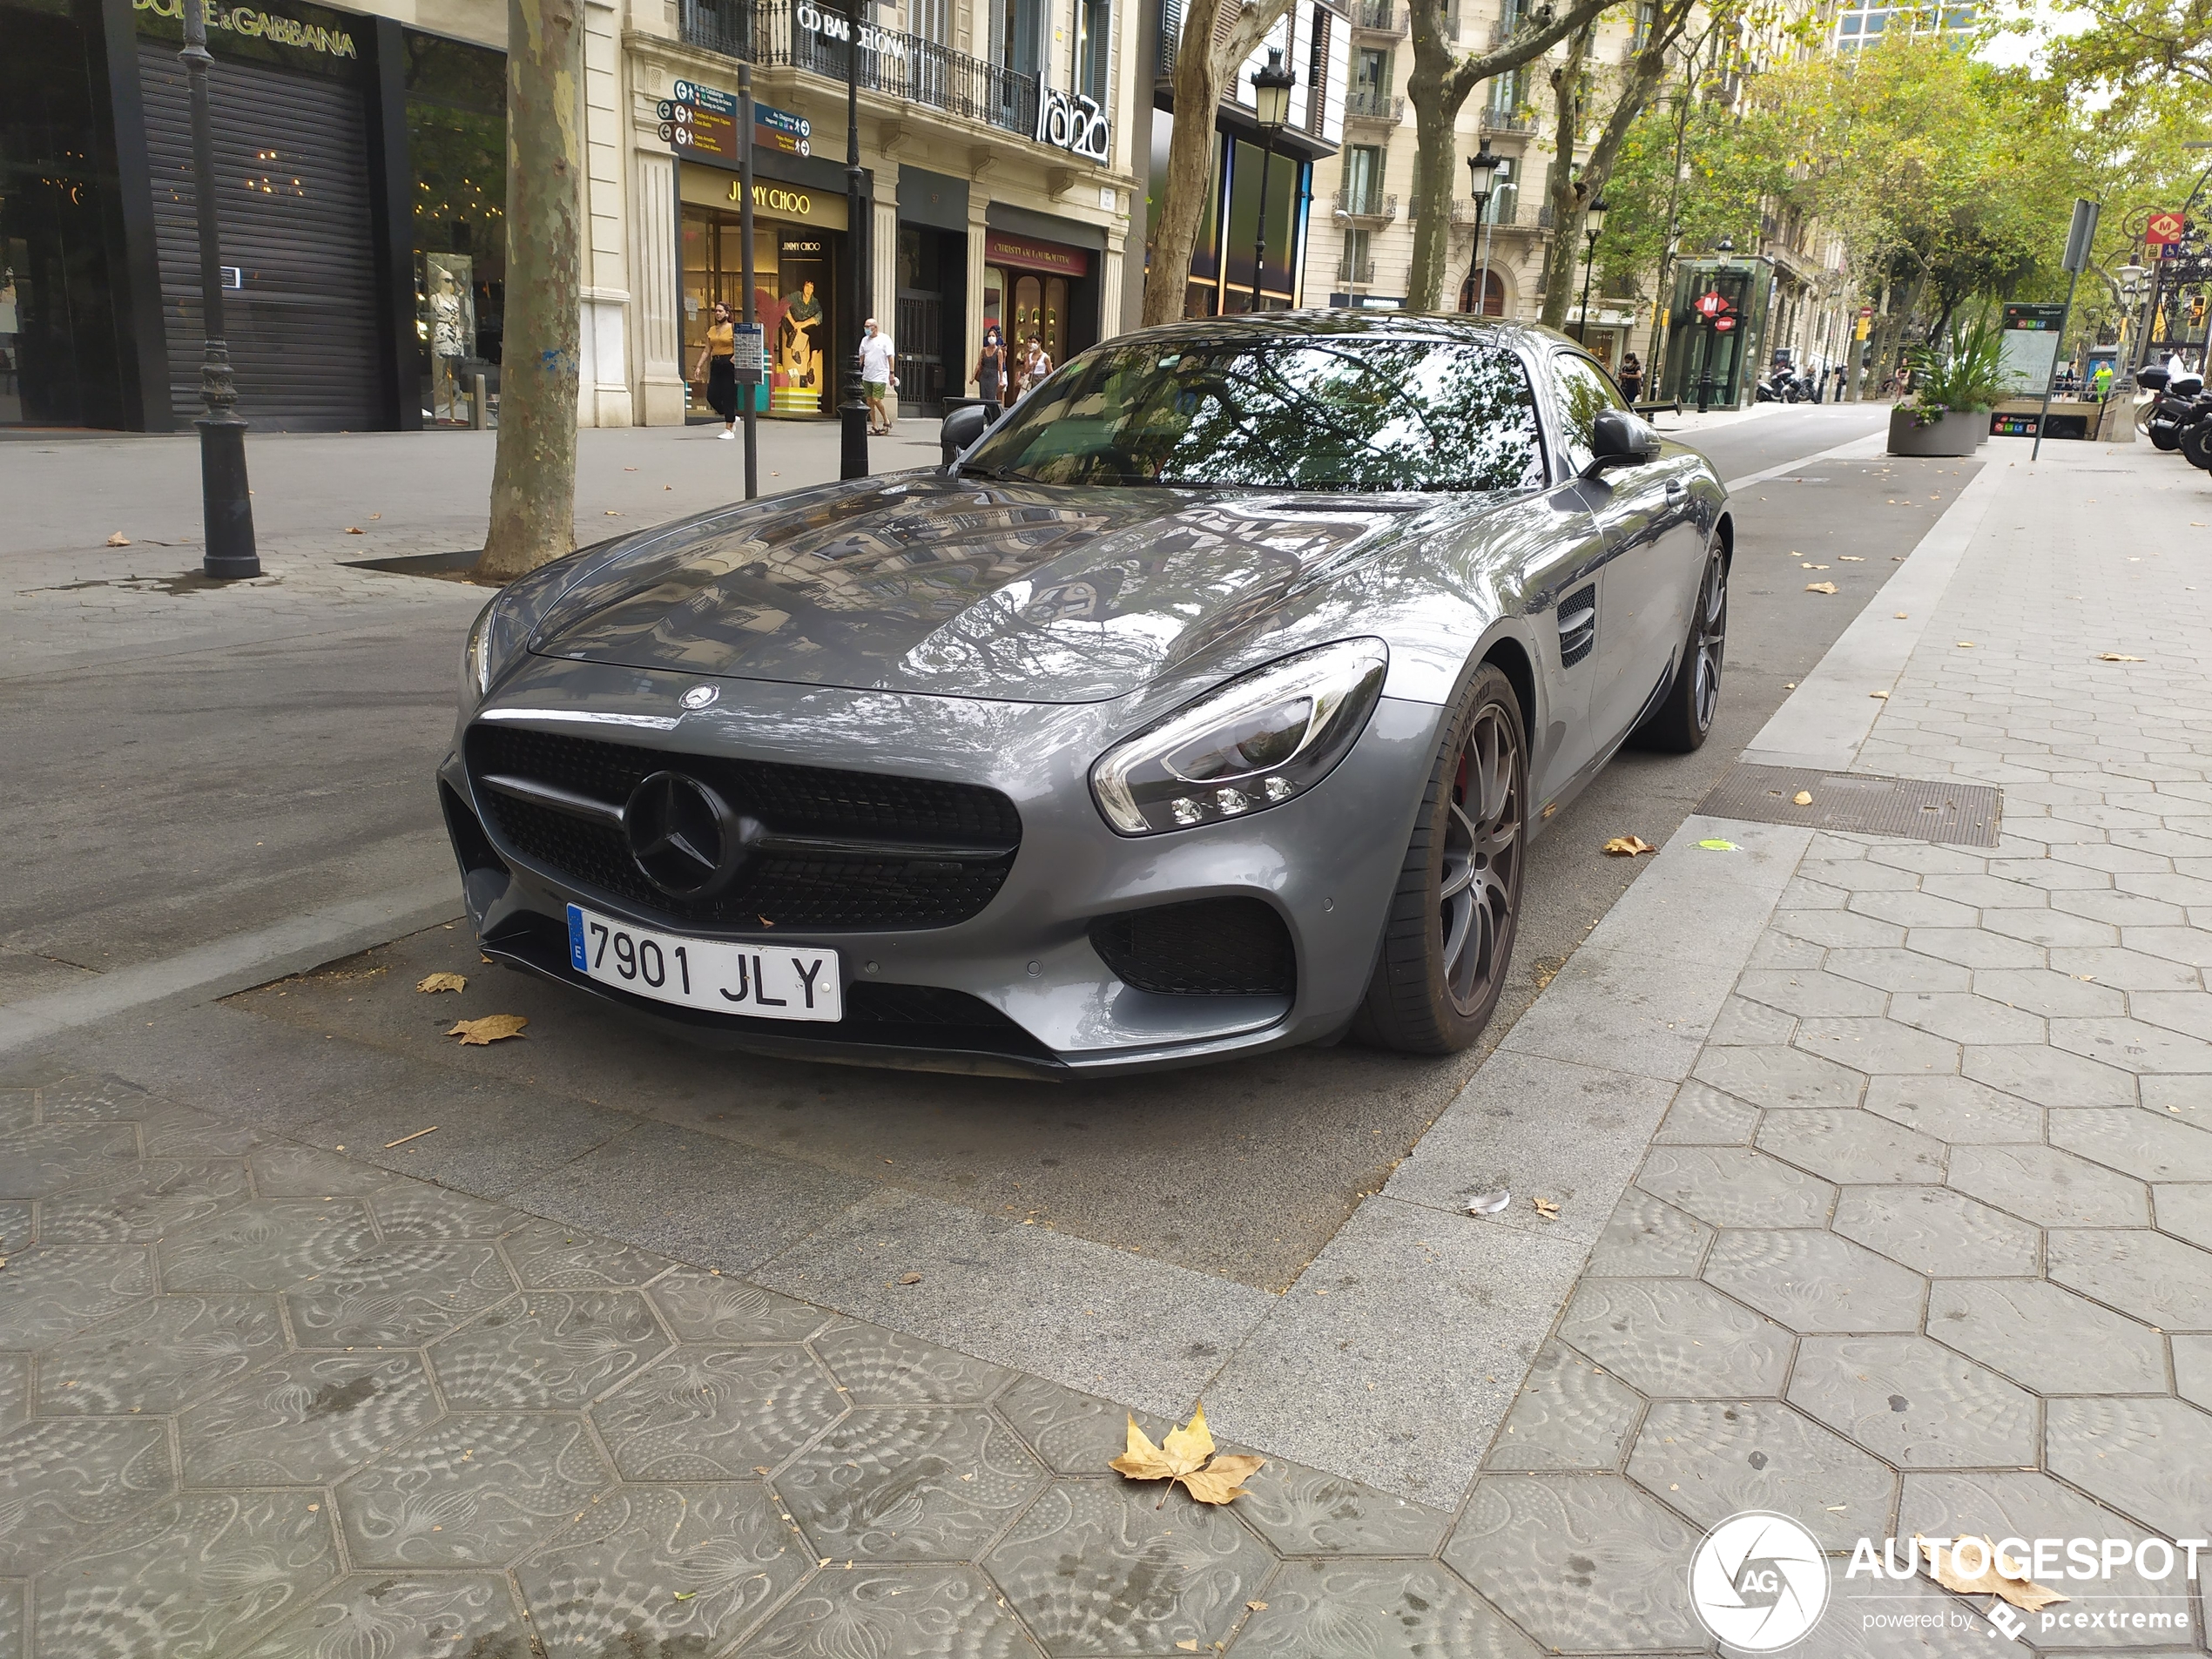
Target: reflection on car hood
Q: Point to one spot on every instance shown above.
(965, 587)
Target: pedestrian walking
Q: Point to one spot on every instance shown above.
(718, 367)
(879, 374)
(990, 375)
(1631, 378)
(1036, 363)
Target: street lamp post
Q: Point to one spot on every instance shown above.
(1593, 227)
(1482, 170)
(851, 411)
(226, 505)
(1271, 86)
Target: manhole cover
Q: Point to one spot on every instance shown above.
(1967, 813)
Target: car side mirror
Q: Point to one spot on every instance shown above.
(961, 429)
(1619, 439)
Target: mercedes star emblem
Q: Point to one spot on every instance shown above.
(698, 696)
(681, 835)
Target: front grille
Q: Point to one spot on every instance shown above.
(818, 891)
(1204, 948)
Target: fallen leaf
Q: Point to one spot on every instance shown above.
(1884, 696)
(1548, 1208)
(1488, 1204)
(1720, 847)
(1820, 587)
(442, 983)
(1902, 615)
(373, 516)
(2117, 657)
(1255, 1606)
(909, 1279)
(1183, 1456)
(355, 530)
(685, 1595)
(1627, 847)
(118, 540)
(2001, 1575)
(475, 1034)
(1802, 798)
(1188, 1646)
(612, 514)
(1851, 559)
(1966, 645)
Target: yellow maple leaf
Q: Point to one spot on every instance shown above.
(490, 1029)
(1999, 1575)
(442, 983)
(1182, 1455)
(1627, 847)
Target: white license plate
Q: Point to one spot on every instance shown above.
(762, 981)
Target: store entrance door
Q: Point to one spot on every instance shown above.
(926, 329)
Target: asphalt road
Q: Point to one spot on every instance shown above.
(139, 785)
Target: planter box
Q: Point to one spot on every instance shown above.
(1956, 434)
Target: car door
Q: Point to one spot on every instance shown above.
(1640, 607)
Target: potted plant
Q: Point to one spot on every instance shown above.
(1952, 393)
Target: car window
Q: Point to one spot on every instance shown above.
(1583, 392)
(1328, 413)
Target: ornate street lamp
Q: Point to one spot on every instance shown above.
(1482, 168)
(226, 505)
(851, 410)
(1271, 86)
(1593, 227)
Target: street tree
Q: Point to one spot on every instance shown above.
(1217, 35)
(2137, 46)
(533, 482)
(1441, 83)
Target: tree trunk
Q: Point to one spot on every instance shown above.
(1201, 68)
(1561, 253)
(533, 479)
(1439, 84)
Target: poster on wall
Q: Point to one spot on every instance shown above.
(801, 344)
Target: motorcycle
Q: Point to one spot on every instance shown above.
(1783, 386)
(2174, 405)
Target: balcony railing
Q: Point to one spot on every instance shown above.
(1366, 203)
(1363, 105)
(1378, 17)
(1355, 271)
(1462, 210)
(769, 33)
(1495, 120)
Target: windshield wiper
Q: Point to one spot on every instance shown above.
(1006, 475)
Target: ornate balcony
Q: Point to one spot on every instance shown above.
(1363, 105)
(1371, 205)
(1355, 272)
(1377, 18)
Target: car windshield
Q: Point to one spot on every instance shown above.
(1322, 414)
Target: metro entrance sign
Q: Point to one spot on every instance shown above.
(2164, 229)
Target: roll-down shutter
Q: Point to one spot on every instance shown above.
(292, 180)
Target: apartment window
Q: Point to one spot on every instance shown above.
(1363, 177)
(1358, 260)
(1015, 26)
(1505, 91)
(931, 19)
(1094, 46)
(1370, 82)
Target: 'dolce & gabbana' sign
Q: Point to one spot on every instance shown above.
(260, 25)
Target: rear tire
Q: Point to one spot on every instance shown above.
(2165, 436)
(1681, 723)
(1448, 935)
(2197, 444)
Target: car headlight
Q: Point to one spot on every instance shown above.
(1244, 747)
(501, 628)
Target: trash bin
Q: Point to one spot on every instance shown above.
(947, 452)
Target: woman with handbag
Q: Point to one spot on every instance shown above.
(990, 370)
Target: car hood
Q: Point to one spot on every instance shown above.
(960, 587)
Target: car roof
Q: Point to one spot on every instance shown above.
(1327, 320)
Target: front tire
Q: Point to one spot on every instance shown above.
(2197, 444)
(1449, 933)
(1681, 723)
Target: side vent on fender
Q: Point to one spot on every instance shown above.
(1577, 625)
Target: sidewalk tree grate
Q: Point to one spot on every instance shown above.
(1967, 813)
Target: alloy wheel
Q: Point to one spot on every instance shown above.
(1709, 641)
(1482, 854)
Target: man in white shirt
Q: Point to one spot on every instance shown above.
(878, 361)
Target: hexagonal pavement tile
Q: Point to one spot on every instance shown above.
(1739, 1023)
(286, 1170)
(1914, 1403)
(47, 1158)
(199, 1573)
(1676, 1338)
(1780, 1076)
(716, 1413)
(2047, 1338)
(2162, 1281)
(1094, 1567)
(1324, 1609)
(1971, 948)
(93, 1097)
(1585, 1563)
(401, 1295)
(1854, 1148)
(606, 1585)
(2048, 1076)
(2128, 1138)
(2187, 1012)
(68, 1479)
(1647, 1237)
(2185, 1211)
(470, 1614)
(1810, 993)
(1734, 1187)
(548, 1350)
(1836, 928)
(1812, 1280)
(2193, 1369)
(15, 1389)
(1877, 1046)
(1712, 1458)
(2050, 993)
(415, 1210)
(2131, 1045)
(706, 1307)
(1956, 1110)
(1700, 1115)
(159, 1355)
(1898, 970)
(2186, 946)
(1568, 1415)
(1937, 1231)
(1308, 1512)
(53, 1290)
(2048, 1187)
(909, 1483)
(2127, 970)
(267, 1244)
(1913, 910)
(547, 1257)
(1965, 1017)
(156, 1197)
(914, 1612)
(478, 1489)
(304, 1420)
(881, 1368)
(1071, 1433)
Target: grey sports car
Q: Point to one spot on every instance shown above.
(1207, 704)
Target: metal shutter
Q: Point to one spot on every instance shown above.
(291, 166)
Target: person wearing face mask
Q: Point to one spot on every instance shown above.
(990, 375)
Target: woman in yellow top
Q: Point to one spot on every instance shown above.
(718, 367)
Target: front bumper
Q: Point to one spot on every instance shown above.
(1019, 987)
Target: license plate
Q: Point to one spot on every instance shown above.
(762, 981)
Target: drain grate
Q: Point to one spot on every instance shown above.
(1967, 813)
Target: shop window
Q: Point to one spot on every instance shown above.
(456, 139)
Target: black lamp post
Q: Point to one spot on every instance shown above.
(1482, 168)
(1271, 86)
(226, 505)
(1593, 227)
(851, 411)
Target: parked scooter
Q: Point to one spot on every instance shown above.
(2174, 404)
(1783, 386)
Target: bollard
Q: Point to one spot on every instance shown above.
(476, 403)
